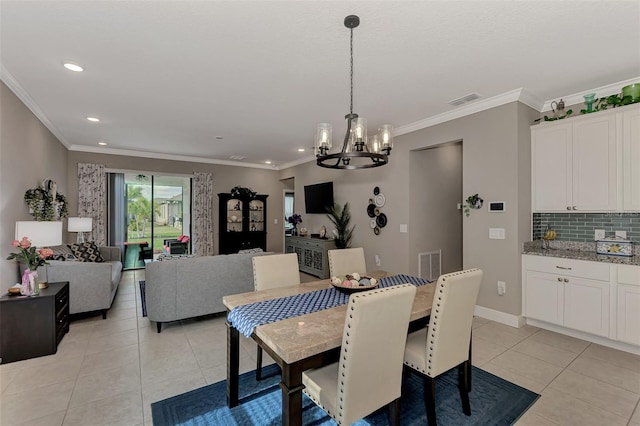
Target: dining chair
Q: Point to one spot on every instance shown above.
(368, 374)
(446, 342)
(273, 271)
(346, 261)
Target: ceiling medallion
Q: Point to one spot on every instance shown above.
(358, 151)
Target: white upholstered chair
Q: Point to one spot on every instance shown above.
(445, 343)
(368, 374)
(347, 261)
(274, 271)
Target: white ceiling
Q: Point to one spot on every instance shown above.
(166, 78)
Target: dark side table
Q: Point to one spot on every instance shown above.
(33, 326)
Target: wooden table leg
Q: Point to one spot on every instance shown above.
(233, 365)
(291, 385)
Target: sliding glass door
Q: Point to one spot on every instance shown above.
(156, 209)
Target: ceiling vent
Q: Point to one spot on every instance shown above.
(237, 157)
(463, 100)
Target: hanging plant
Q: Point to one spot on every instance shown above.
(472, 202)
(241, 191)
(43, 206)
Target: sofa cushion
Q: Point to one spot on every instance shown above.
(87, 252)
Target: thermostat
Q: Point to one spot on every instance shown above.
(497, 206)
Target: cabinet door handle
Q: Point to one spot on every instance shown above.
(566, 280)
(559, 279)
(563, 267)
(574, 208)
(568, 207)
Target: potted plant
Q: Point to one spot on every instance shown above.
(472, 202)
(341, 217)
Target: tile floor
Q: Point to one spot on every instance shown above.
(108, 372)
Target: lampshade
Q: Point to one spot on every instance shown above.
(80, 224)
(41, 234)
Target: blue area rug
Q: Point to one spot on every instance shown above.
(494, 401)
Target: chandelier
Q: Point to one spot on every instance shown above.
(358, 151)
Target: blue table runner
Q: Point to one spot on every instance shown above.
(246, 318)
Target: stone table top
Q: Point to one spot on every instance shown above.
(297, 338)
(578, 251)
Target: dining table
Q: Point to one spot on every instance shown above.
(301, 342)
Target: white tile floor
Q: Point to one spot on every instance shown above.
(108, 372)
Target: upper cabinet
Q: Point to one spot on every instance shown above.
(631, 159)
(587, 163)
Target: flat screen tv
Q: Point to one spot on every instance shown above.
(318, 197)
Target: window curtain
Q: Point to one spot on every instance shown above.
(117, 225)
(92, 197)
(288, 209)
(202, 214)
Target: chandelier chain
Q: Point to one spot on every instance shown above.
(351, 75)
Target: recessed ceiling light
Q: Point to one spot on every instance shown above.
(94, 119)
(103, 143)
(300, 149)
(237, 157)
(73, 67)
(267, 162)
(218, 137)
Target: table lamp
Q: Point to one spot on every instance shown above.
(80, 225)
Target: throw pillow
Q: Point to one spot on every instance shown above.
(62, 252)
(87, 252)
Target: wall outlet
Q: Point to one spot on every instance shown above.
(502, 288)
(598, 234)
(621, 234)
(275, 221)
(377, 260)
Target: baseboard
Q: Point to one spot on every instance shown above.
(516, 321)
(585, 336)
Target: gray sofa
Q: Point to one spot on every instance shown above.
(92, 286)
(191, 287)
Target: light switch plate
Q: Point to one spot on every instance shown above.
(621, 234)
(598, 234)
(496, 234)
(403, 227)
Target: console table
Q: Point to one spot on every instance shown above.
(312, 254)
(33, 326)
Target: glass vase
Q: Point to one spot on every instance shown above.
(29, 285)
(589, 100)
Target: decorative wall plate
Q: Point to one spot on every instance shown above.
(380, 200)
(381, 220)
(371, 210)
(376, 230)
(376, 190)
(373, 223)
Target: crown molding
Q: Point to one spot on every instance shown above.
(161, 156)
(26, 99)
(603, 91)
(481, 105)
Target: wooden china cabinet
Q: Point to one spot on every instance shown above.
(242, 222)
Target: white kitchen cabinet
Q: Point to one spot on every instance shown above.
(586, 305)
(631, 159)
(567, 292)
(544, 297)
(628, 304)
(574, 164)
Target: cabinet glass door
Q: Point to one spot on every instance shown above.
(256, 215)
(234, 215)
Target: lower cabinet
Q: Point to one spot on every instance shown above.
(312, 254)
(628, 304)
(566, 292)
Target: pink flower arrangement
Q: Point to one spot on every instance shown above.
(32, 257)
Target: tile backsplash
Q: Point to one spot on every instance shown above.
(581, 226)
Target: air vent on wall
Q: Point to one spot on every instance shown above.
(430, 265)
(237, 157)
(463, 100)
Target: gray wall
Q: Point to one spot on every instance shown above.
(435, 184)
(224, 178)
(29, 153)
(495, 156)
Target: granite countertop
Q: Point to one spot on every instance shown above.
(579, 251)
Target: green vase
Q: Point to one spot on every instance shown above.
(589, 100)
